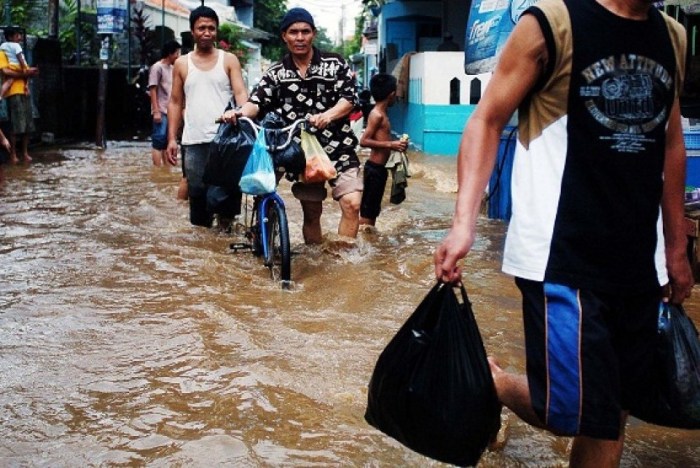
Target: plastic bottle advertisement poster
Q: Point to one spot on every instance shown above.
(489, 25)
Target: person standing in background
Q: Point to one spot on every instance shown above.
(15, 55)
(207, 80)
(377, 137)
(160, 81)
(18, 100)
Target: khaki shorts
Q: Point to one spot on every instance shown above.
(347, 182)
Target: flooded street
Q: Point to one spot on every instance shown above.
(129, 337)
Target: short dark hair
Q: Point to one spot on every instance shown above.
(382, 85)
(169, 47)
(203, 12)
(11, 31)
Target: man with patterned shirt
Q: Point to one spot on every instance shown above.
(319, 86)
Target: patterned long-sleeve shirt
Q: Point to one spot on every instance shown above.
(328, 79)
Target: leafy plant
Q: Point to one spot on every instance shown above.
(230, 39)
(268, 14)
(67, 33)
(26, 13)
(143, 34)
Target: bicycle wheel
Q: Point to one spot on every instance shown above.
(278, 258)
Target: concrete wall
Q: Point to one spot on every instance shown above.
(434, 125)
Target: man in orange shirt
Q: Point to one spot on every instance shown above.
(19, 106)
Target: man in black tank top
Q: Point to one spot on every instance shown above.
(597, 238)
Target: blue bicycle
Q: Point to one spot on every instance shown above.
(265, 226)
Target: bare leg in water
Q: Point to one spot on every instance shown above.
(350, 214)
(311, 228)
(586, 452)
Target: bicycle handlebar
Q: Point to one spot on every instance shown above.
(256, 128)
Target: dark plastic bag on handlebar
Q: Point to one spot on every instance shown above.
(290, 158)
(228, 154)
(432, 388)
(675, 401)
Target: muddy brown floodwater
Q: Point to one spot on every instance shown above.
(129, 337)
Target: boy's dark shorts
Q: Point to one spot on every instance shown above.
(159, 135)
(589, 355)
(375, 177)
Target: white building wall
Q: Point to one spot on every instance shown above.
(436, 70)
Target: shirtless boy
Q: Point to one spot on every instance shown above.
(377, 137)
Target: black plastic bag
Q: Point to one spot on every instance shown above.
(224, 202)
(432, 388)
(291, 158)
(228, 154)
(676, 398)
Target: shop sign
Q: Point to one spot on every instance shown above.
(111, 16)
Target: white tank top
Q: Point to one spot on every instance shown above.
(206, 95)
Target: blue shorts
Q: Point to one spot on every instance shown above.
(589, 355)
(159, 136)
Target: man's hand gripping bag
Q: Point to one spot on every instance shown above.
(432, 388)
(675, 400)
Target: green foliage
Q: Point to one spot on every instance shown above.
(27, 14)
(144, 35)
(67, 33)
(322, 41)
(230, 39)
(268, 14)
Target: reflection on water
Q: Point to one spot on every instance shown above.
(129, 337)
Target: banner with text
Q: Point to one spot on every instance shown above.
(489, 24)
(111, 16)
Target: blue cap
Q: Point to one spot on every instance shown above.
(296, 15)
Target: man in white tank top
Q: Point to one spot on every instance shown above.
(207, 79)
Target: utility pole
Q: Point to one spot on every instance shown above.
(78, 39)
(53, 18)
(162, 23)
(7, 12)
(342, 26)
(102, 92)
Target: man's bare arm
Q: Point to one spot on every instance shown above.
(175, 107)
(672, 204)
(240, 93)
(155, 108)
(520, 65)
(27, 73)
(375, 122)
